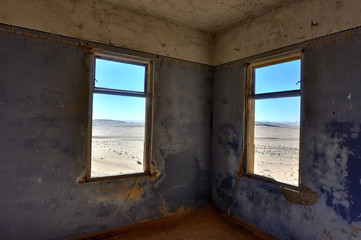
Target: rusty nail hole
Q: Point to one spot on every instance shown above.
(314, 24)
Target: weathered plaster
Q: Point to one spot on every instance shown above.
(206, 15)
(44, 106)
(262, 25)
(330, 156)
(291, 24)
(110, 24)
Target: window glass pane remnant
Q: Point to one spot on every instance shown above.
(118, 135)
(279, 77)
(119, 75)
(276, 139)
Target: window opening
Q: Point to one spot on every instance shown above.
(119, 118)
(273, 119)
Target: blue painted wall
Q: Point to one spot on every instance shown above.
(43, 122)
(330, 148)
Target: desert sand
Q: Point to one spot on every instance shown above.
(117, 147)
(277, 151)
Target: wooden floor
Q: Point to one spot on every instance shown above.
(204, 223)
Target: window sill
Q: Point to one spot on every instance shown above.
(87, 179)
(301, 194)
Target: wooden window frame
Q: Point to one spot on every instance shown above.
(251, 96)
(147, 94)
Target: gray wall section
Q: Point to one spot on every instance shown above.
(227, 133)
(330, 154)
(43, 122)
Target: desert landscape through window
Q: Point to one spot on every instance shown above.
(117, 147)
(276, 126)
(118, 119)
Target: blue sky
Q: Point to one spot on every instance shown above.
(276, 78)
(116, 75)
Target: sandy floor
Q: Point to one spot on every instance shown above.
(117, 148)
(277, 151)
(204, 223)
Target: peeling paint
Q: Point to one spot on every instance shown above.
(131, 192)
(166, 213)
(153, 170)
(336, 152)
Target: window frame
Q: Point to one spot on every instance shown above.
(147, 94)
(251, 97)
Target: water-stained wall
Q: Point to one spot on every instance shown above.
(330, 160)
(43, 117)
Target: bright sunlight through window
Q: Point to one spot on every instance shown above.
(119, 97)
(274, 119)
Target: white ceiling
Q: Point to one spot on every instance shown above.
(206, 15)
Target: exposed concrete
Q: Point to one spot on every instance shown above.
(110, 24)
(301, 21)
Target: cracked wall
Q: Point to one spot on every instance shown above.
(44, 105)
(330, 157)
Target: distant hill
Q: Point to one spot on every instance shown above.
(116, 123)
(278, 124)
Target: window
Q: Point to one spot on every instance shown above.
(119, 119)
(273, 119)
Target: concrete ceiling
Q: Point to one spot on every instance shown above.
(206, 15)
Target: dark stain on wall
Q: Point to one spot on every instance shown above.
(227, 138)
(224, 186)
